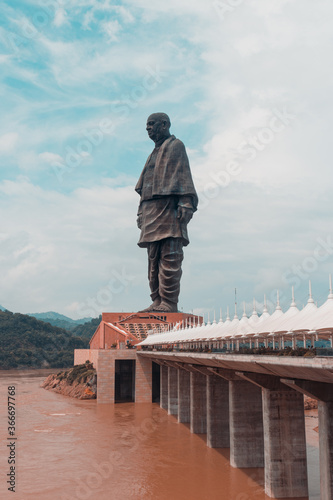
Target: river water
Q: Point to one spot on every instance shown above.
(68, 449)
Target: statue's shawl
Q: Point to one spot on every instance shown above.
(172, 174)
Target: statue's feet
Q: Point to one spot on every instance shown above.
(152, 306)
(166, 306)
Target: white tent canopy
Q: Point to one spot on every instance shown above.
(309, 320)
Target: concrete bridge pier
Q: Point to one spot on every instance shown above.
(218, 434)
(198, 403)
(323, 392)
(284, 437)
(172, 391)
(164, 387)
(246, 424)
(325, 413)
(183, 396)
(285, 444)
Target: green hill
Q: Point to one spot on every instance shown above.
(59, 320)
(26, 342)
(87, 330)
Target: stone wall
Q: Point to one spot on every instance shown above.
(82, 355)
(104, 362)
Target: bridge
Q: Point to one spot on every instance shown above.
(250, 403)
(254, 405)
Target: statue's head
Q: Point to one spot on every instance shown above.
(158, 126)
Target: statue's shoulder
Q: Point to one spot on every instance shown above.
(176, 143)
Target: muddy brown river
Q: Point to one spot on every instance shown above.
(68, 449)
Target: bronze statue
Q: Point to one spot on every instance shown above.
(167, 202)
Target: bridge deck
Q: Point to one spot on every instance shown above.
(317, 369)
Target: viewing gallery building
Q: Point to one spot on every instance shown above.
(121, 375)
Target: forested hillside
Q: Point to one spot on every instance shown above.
(26, 342)
(87, 330)
(59, 320)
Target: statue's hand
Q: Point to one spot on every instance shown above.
(139, 221)
(184, 214)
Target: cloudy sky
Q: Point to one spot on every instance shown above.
(248, 87)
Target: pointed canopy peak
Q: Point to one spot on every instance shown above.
(330, 295)
(214, 321)
(293, 303)
(310, 299)
(235, 317)
(254, 312)
(265, 310)
(244, 312)
(208, 322)
(220, 320)
(278, 307)
(228, 317)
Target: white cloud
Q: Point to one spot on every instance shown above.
(60, 17)
(50, 158)
(125, 14)
(4, 58)
(8, 142)
(112, 30)
(250, 45)
(88, 19)
(57, 245)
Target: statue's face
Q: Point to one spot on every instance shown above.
(156, 128)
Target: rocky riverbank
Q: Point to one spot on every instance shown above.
(310, 404)
(78, 382)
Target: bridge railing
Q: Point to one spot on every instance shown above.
(266, 351)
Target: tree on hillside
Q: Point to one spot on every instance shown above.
(27, 342)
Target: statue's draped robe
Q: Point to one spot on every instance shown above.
(164, 185)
